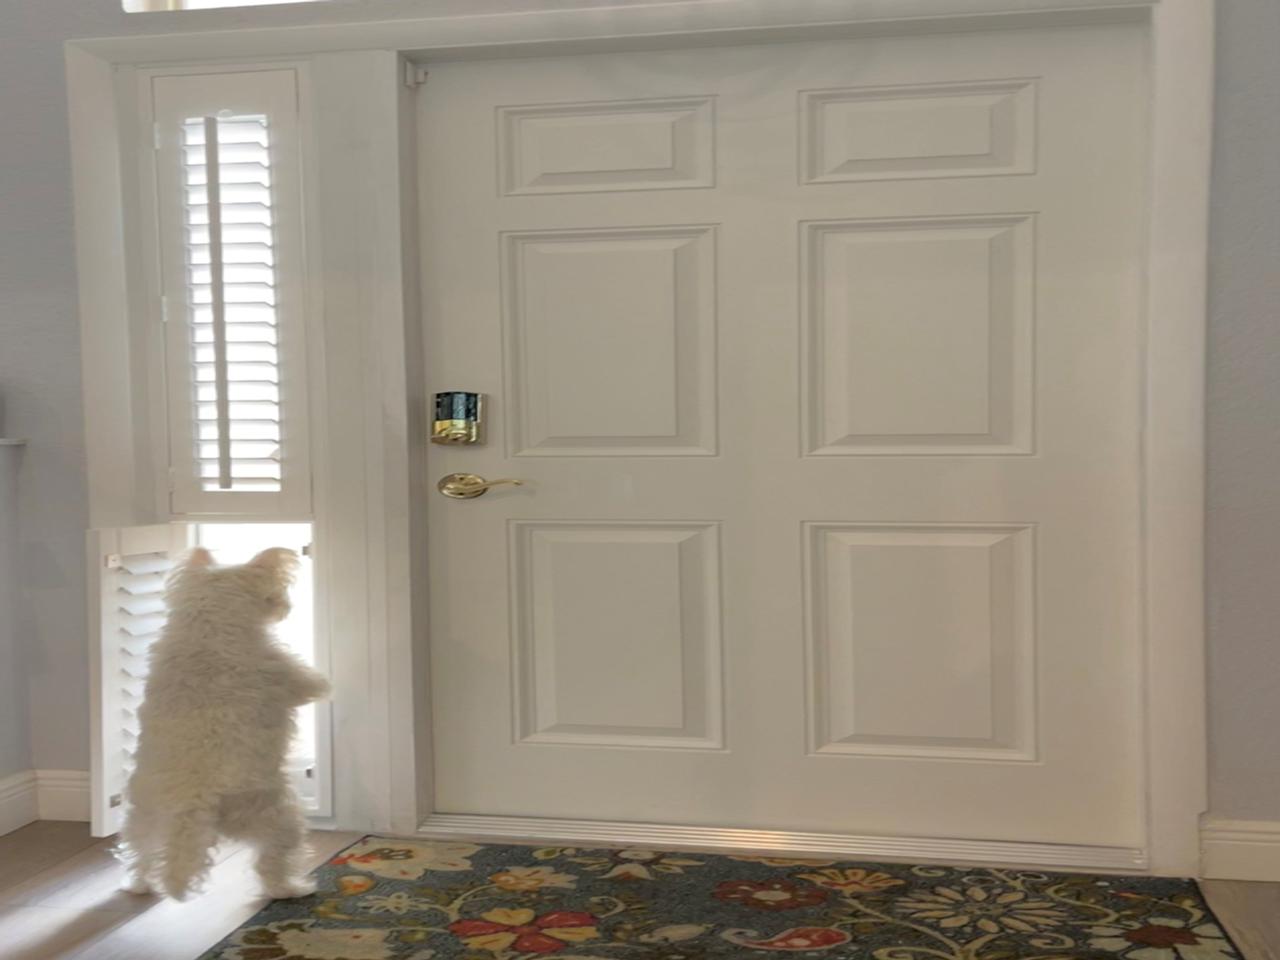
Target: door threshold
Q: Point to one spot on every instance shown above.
(607, 833)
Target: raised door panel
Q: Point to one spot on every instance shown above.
(617, 634)
(922, 640)
(919, 336)
(659, 144)
(610, 342)
(918, 131)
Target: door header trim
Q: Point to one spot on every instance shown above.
(524, 28)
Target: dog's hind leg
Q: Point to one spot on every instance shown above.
(137, 849)
(187, 850)
(272, 822)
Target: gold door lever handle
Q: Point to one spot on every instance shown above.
(466, 486)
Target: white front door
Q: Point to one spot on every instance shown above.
(820, 363)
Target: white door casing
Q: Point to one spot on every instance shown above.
(381, 692)
(822, 365)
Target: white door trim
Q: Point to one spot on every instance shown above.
(1241, 850)
(395, 794)
(1174, 454)
(526, 26)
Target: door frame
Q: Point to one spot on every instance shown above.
(372, 505)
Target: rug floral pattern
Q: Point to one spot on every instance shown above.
(392, 899)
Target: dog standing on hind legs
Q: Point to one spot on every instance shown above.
(216, 722)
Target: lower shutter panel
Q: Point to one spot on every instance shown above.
(131, 564)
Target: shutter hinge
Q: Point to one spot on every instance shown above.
(415, 74)
(111, 561)
(115, 800)
(164, 308)
(172, 480)
(306, 549)
(155, 135)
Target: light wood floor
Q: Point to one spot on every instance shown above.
(59, 901)
(1250, 912)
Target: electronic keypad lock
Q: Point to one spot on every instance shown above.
(459, 418)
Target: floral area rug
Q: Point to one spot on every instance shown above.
(391, 899)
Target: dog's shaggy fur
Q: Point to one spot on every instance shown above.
(215, 727)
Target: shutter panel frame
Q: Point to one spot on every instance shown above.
(128, 567)
(233, 285)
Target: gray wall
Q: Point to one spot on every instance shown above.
(1244, 417)
(39, 368)
(40, 378)
(15, 731)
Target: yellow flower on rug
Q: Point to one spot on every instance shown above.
(303, 940)
(853, 880)
(521, 879)
(406, 859)
(983, 907)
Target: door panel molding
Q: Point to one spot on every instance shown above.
(601, 146)
(853, 296)
(967, 129)
(572, 380)
(884, 599)
(587, 672)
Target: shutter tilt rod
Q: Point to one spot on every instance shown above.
(222, 403)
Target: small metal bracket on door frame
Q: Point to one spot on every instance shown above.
(415, 74)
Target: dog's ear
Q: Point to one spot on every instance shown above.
(199, 557)
(274, 570)
(194, 561)
(279, 562)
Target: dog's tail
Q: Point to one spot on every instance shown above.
(187, 850)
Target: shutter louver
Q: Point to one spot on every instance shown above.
(131, 565)
(231, 269)
(228, 198)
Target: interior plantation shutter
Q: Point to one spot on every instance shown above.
(128, 568)
(229, 209)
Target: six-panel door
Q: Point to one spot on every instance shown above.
(820, 363)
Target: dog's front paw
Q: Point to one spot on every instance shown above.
(291, 889)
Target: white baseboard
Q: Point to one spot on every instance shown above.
(784, 843)
(1240, 850)
(18, 802)
(63, 794)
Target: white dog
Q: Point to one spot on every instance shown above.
(215, 727)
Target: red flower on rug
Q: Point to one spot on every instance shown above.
(1160, 935)
(797, 938)
(769, 894)
(373, 856)
(502, 929)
